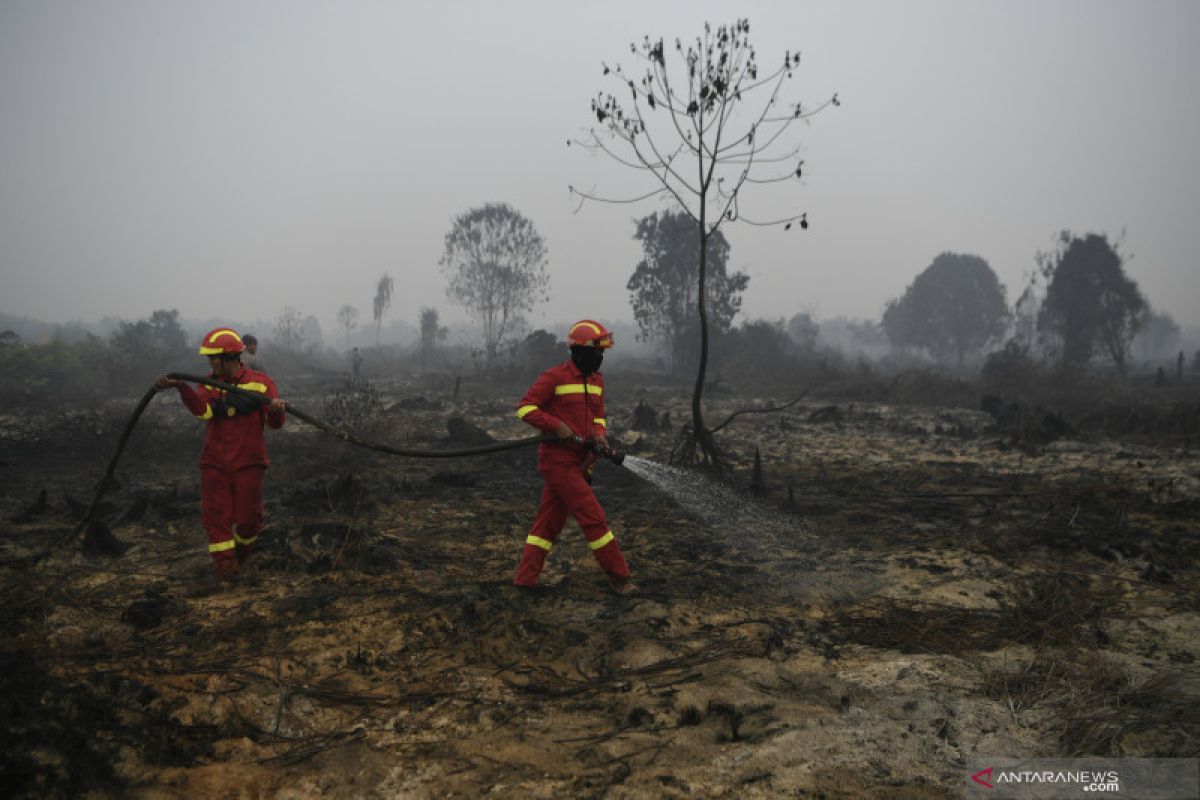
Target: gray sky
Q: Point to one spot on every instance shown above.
(236, 157)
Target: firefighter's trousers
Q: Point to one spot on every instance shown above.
(230, 498)
(566, 491)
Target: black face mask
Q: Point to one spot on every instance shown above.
(587, 359)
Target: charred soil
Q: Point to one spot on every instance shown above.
(913, 591)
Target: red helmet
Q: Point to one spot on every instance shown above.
(589, 333)
(219, 341)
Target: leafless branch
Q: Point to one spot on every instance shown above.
(616, 200)
(767, 410)
(781, 221)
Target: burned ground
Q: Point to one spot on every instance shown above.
(915, 590)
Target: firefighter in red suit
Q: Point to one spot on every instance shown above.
(234, 457)
(567, 402)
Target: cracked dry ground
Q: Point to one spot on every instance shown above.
(925, 597)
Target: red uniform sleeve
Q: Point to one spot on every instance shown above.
(195, 401)
(275, 419)
(599, 423)
(538, 395)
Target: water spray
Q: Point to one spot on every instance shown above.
(788, 554)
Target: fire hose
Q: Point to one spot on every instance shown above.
(107, 481)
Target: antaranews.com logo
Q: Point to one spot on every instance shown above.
(1109, 781)
(1051, 778)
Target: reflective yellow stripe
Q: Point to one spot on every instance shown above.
(601, 422)
(603, 540)
(219, 547)
(253, 387)
(208, 414)
(538, 541)
(577, 388)
(240, 540)
(523, 410)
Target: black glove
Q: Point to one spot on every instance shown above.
(234, 404)
(601, 449)
(243, 404)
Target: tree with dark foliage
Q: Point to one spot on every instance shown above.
(1091, 305)
(805, 331)
(382, 302)
(954, 308)
(159, 338)
(540, 348)
(704, 130)
(662, 289)
(495, 261)
(157, 341)
(432, 332)
(756, 350)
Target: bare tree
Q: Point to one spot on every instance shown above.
(495, 261)
(289, 330)
(383, 301)
(696, 131)
(347, 317)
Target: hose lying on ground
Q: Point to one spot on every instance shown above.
(107, 481)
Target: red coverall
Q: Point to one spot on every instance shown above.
(561, 394)
(232, 464)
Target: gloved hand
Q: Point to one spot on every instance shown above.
(241, 404)
(234, 404)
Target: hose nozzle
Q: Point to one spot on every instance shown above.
(605, 451)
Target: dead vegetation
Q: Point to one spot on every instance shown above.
(924, 592)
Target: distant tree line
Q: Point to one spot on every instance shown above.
(1079, 307)
(90, 369)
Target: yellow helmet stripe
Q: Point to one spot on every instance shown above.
(230, 331)
(595, 328)
(208, 349)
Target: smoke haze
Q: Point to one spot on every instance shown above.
(231, 158)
